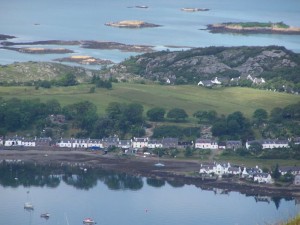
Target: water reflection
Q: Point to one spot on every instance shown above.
(26, 175)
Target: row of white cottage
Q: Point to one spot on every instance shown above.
(139, 143)
(266, 144)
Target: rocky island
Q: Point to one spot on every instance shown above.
(5, 37)
(85, 60)
(131, 24)
(194, 9)
(253, 27)
(40, 50)
(84, 44)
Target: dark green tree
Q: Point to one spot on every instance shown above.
(260, 116)
(156, 114)
(177, 114)
(275, 173)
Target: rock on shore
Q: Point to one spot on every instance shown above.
(85, 60)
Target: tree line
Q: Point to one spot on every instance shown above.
(128, 120)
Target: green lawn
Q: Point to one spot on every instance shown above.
(189, 97)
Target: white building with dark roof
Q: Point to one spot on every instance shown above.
(206, 144)
(140, 142)
(263, 178)
(269, 143)
(155, 143)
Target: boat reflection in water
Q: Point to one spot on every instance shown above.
(45, 215)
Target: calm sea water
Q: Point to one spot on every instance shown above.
(110, 198)
(85, 19)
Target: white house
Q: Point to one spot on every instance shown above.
(65, 143)
(216, 81)
(295, 170)
(13, 141)
(250, 172)
(297, 180)
(207, 168)
(140, 142)
(206, 144)
(80, 143)
(124, 144)
(216, 168)
(263, 178)
(155, 143)
(95, 143)
(28, 142)
(269, 143)
(275, 144)
(234, 170)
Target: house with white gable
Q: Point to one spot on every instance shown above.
(256, 80)
(216, 81)
(221, 169)
(139, 142)
(207, 168)
(205, 83)
(215, 168)
(263, 178)
(206, 144)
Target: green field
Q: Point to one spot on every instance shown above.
(191, 98)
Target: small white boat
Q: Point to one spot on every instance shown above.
(45, 215)
(88, 221)
(159, 164)
(28, 206)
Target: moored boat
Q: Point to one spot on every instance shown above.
(28, 206)
(88, 221)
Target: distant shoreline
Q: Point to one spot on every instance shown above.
(253, 27)
(183, 171)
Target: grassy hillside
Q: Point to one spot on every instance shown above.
(32, 71)
(189, 97)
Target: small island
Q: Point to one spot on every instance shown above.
(131, 24)
(85, 60)
(253, 27)
(194, 9)
(40, 50)
(5, 37)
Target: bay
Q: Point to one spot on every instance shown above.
(84, 20)
(70, 194)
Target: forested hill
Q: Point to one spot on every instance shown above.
(196, 64)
